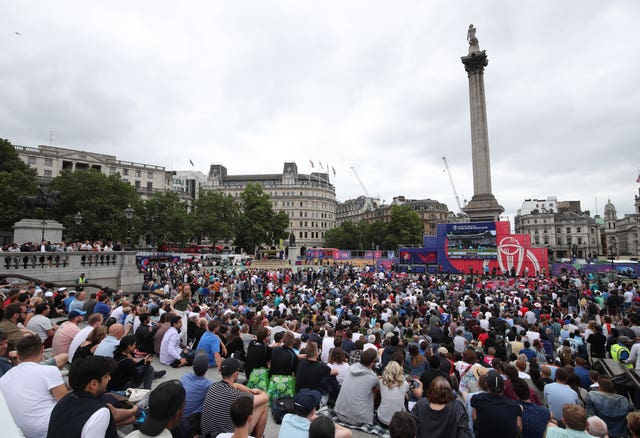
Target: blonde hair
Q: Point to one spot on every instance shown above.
(393, 375)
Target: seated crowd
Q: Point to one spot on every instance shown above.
(407, 355)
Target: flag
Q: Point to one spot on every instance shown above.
(311, 162)
(321, 166)
(190, 162)
(333, 170)
(638, 179)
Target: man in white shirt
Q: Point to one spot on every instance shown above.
(171, 352)
(327, 345)
(30, 389)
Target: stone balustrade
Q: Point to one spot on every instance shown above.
(113, 269)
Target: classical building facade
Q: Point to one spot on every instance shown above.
(431, 213)
(308, 199)
(622, 235)
(354, 209)
(49, 162)
(562, 228)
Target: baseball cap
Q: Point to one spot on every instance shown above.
(75, 313)
(62, 289)
(495, 382)
(306, 401)
(229, 366)
(200, 363)
(164, 402)
(48, 294)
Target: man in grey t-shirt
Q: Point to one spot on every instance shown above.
(41, 325)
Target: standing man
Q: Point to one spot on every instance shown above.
(81, 281)
(30, 389)
(216, 417)
(65, 334)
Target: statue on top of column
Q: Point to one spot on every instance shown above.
(473, 41)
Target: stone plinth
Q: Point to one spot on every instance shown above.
(32, 230)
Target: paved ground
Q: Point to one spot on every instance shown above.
(214, 375)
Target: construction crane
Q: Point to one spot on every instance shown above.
(453, 186)
(360, 181)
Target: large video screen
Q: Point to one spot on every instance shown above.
(418, 256)
(472, 241)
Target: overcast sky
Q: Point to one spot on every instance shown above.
(371, 84)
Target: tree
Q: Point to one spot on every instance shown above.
(16, 179)
(257, 223)
(214, 215)
(164, 218)
(405, 227)
(100, 199)
(348, 235)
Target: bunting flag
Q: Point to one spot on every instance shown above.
(321, 166)
(311, 162)
(638, 178)
(333, 170)
(191, 162)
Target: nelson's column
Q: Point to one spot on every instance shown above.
(483, 205)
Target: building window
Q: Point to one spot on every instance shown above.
(568, 230)
(150, 175)
(48, 161)
(578, 230)
(138, 174)
(149, 185)
(47, 173)
(137, 184)
(558, 230)
(125, 172)
(32, 161)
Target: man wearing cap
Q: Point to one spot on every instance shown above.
(166, 405)
(216, 416)
(297, 425)
(196, 386)
(65, 334)
(71, 296)
(495, 414)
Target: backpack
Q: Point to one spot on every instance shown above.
(281, 407)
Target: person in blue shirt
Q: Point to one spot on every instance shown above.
(528, 351)
(102, 306)
(210, 343)
(196, 386)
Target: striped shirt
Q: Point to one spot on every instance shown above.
(216, 410)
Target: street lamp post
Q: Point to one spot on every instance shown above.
(612, 251)
(129, 214)
(78, 220)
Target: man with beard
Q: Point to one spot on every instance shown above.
(14, 314)
(80, 412)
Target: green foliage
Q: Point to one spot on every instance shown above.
(100, 199)
(404, 228)
(164, 218)
(16, 179)
(214, 216)
(257, 223)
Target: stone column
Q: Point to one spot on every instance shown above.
(483, 205)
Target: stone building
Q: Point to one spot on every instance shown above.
(622, 235)
(187, 183)
(562, 228)
(431, 213)
(354, 209)
(308, 199)
(49, 162)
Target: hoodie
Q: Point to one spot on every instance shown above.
(355, 401)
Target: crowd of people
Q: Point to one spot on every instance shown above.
(400, 354)
(62, 246)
